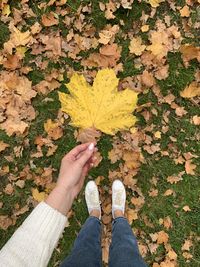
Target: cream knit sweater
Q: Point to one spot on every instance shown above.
(34, 241)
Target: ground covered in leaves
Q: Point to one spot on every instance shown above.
(153, 47)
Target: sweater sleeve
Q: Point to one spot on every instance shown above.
(34, 241)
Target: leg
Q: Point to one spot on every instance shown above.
(124, 250)
(87, 246)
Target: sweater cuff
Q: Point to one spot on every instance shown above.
(47, 222)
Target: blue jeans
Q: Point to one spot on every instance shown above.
(87, 247)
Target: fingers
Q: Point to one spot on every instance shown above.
(86, 155)
(81, 153)
(78, 149)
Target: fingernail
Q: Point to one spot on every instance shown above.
(91, 146)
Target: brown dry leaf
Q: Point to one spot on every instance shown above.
(172, 255)
(136, 47)
(168, 192)
(52, 43)
(167, 222)
(131, 215)
(105, 249)
(174, 179)
(186, 208)
(151, 149)
(51, 150)
(108, 35)
(108, 57)
(190, 52)
(190, 167)
(3, 146)
(191, 91)
(53, 129)
(87, 135)
(5, 222)
(196, 120)
(131, 158)
(180, 111)
(17, 38)
(163, 237)
(138, 201)
(15, 102)
(9, 189)
(153, 192)
(18, 211)
(187, 245)
(12, 62)
(20, 183)
(106, 219)
(49, 19)
(187, 255)
(185, 11)
(147, 78)
(36, 28)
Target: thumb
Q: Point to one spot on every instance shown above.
(86, 155)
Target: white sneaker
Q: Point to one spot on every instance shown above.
(118, 196)
(92, 197)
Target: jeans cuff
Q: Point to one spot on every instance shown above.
(119, 219)
(94, 218)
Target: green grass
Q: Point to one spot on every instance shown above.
(185, 224)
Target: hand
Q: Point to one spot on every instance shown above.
(74, 167)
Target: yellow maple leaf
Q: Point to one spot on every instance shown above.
(38, 196)
(50, 125)
(100, 106)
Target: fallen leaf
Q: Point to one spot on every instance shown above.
(87, 135)
(155, 3)
(186, 208)
(191, 91)
(174, 179)
(136, 47)
(187, 245)
(5, 222)
(100, 106)
(190, 52)
(20, 183)
(17, 38)
(190, 167)
(3, 146)
(9, 189)
(131, 215)
(38, 196)
(187, 255)
(185, 11)
(145, 28)
(163, 237)
(196, 120)
(53, 129)
(168, 192)
(167, 222)
(105, 36)
(147, 78)
(49, 19)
